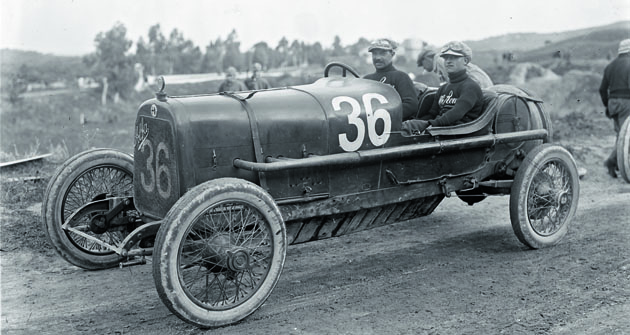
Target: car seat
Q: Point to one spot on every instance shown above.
(481, 125)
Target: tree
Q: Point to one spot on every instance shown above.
(233, 56)
(261, 54)
(143, 53)
(158, 49)
(213, 58)
(282, 52)
(184, 56)
(111, 62)
(316, 54)
(337, 48)
(359, 47)
(18, 84)
(296, 53)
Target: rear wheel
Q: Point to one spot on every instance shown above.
(547, 124)
(219, 252)
(544, 196)
(623, 150)
(89, 176)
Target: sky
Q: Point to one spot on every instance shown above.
(68, 27)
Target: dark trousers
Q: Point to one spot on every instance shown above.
(619, 111)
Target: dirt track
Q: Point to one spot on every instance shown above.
(460, 270)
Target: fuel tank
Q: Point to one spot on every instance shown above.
(181, 142)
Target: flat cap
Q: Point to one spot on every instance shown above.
(384, 44)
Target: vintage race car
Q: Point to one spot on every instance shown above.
(220, 184)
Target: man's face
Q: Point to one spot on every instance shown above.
(454, 63)
(382, 58)
(427, 63)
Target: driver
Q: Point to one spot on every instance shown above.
(382, 55)
(456, 102)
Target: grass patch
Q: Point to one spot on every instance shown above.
(21, 226)
(70, 122)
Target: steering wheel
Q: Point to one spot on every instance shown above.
(345, 68)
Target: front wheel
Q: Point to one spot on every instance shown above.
(623, 150)
(544, 196)
(87, 177)
(219, 252)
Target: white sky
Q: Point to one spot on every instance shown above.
(68, 27)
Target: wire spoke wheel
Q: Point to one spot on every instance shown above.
(219, 252)
(87, 177)
(225, 255)
(95, 184)
(544, 196)
(549, 199)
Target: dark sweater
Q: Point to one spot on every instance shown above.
(616, 81)
(457, 102)
(257, 83)
(402, 84)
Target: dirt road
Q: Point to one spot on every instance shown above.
(460, 270)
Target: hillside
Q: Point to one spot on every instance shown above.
(47, 67)
(12, 57)
(532, 41)
(596, 44)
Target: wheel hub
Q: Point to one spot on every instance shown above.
(99, 224)
(543, 190)
(238, 260)
(219, 254)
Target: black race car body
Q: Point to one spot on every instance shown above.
(220, 184)
(331, 147)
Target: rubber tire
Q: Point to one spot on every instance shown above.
(58, 186)
(538, 121)
(547, 124)
(623, 150)
(528, 169)
(544, 115)
(171, 234)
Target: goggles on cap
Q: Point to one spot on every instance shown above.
(455, 47)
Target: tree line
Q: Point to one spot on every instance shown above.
(175, 54)
(114, 59)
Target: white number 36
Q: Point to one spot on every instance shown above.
(372, 117)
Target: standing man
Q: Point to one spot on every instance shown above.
(615, 94)
(383, 51)
(231, 84)
(429, 76)
(430, 61)
(255, 82)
